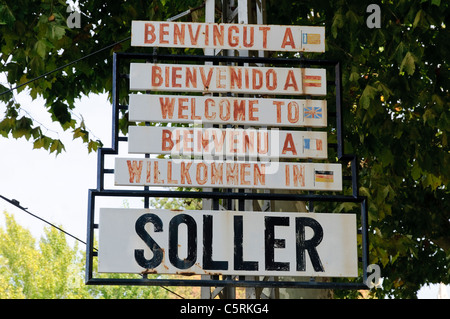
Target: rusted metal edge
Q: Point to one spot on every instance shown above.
(226, 283)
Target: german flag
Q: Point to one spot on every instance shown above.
(312, 80)
(324, 176)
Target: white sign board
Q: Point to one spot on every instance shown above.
(228, 36)
(223, 79)
(227, 243)
(226, 110)
(261, 143)
(227, 174)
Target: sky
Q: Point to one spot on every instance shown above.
(55, 188)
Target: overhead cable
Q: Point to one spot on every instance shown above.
(17, 204)
(64, 66)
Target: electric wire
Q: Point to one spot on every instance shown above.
(189, 11)
(16, 203)
(64, 66)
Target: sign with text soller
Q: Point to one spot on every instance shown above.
(229, 242)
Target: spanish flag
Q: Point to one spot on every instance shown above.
(312, 80)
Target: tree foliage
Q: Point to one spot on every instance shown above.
(51, 269)
(36, 40)
(395, 91)
(397, 111)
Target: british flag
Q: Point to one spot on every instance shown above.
(313, 112)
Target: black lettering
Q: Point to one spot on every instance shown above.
(271, 242)
(208, 262)
(309, 245)
(191, 241)
(144, 235)
(239, 263)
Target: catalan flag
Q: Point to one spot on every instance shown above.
(312, 80)
(311, 38)
(324, 176)
(312, 112)
(312, 144)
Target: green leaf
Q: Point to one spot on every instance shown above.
(383, 89)
(432, 181)
(68, 124)
(352, 17)
(42, 142)
(428, 115)
(388, 190)
(7, 96)
(93, 146)
(364, 191)
(39, 143)
(387, 158)
(60, 113)
(444, 121)
(338, 22)
(416, 172)
(22, 128)
(81, 133)
(41, 48)
(6, 126)
(345, 207)
(57, 146)
(399, 52)
(6, 15)
(367, 95)
(419, 16)
(408, 64)
(354, 77)
(57, 31)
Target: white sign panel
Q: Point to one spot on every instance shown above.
(226, 110)
(228, 36)
(227, 174)
(227, 142)
(221, 79)
(227, 243)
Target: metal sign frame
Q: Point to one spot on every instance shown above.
(146, 193)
